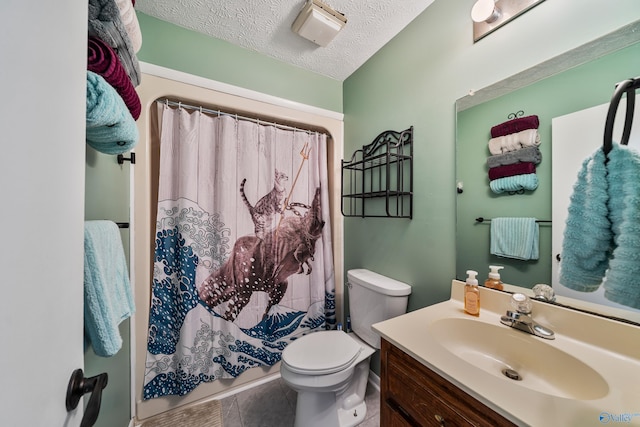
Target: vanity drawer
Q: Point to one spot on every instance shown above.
(425, 398)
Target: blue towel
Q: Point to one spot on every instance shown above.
(588, 239)
(514, 183)
(602, 234)
(108, 298)
(111, 128)
(515, 238)
(622, 284)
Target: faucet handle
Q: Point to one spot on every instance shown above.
(521, 303)
(544, 292)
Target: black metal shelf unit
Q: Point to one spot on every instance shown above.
(378, 179)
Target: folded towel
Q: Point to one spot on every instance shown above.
(106, 24)
(514, 184)
(622, 284)
(131, 24)
(110, 127)
(108, 298)
(101, 59)
(527, 154)
(588, 239)
(514, 141)
(515, 125)
(511, 170)
(515, 238)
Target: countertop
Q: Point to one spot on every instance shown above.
(609, 347)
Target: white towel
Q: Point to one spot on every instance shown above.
(514, 141)
(131, 24)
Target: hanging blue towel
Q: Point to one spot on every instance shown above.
(515, 238)
(622, 284)
(108, 298)
(588, 239)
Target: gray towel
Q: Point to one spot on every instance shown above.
(106, 23)
(523, 155)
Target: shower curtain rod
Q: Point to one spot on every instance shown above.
(237, 116)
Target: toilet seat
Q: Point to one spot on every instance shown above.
(321, 353)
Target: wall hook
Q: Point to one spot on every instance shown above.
(121, 159)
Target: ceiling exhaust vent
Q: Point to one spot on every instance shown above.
(318, 22)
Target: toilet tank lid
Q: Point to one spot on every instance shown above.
(377, 282)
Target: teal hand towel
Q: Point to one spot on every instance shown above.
(622, 284)
(587, 243)
(515, 238)
(108, 298)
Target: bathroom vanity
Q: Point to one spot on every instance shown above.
(412, 394)
(440, 366)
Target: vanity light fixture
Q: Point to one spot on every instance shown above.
(318, 22)
(489, 15)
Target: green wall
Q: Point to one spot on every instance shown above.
(415, 80)
(184, 50)
(576, 89)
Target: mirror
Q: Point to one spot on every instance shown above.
(577, 80)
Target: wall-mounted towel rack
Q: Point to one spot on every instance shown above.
(629, 87)
(122, 224)
(515, 115)
(481, 219)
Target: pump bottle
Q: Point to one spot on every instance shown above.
(493, 281)
(472, 294)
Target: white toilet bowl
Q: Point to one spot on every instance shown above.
(329, 370)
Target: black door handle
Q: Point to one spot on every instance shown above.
(78, 387)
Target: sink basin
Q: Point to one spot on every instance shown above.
(519, 358)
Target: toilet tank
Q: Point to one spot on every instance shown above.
(372, 299)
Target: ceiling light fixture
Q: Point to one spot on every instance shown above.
(489, 15)
(318, 22)
(485, 11)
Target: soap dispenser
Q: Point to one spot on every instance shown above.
(472, 294)
(493, 281)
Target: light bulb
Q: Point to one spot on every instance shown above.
(485, 11)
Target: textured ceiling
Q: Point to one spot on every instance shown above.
(265, 26)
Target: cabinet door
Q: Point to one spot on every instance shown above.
(425, 398)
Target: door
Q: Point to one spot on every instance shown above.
(42, 115)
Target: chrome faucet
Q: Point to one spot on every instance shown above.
(520, 318)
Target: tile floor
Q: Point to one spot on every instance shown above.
(273, 404)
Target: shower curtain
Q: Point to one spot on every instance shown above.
(243, 261)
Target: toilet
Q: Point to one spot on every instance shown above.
(330, 369)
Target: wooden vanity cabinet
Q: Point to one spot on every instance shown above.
(413, 395)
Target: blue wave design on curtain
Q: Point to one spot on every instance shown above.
(176, 295)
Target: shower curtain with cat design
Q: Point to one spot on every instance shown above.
(243, 260)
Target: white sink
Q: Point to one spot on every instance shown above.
(519, 358)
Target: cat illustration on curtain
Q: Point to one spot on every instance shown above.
(262, 263)
(265, 209)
